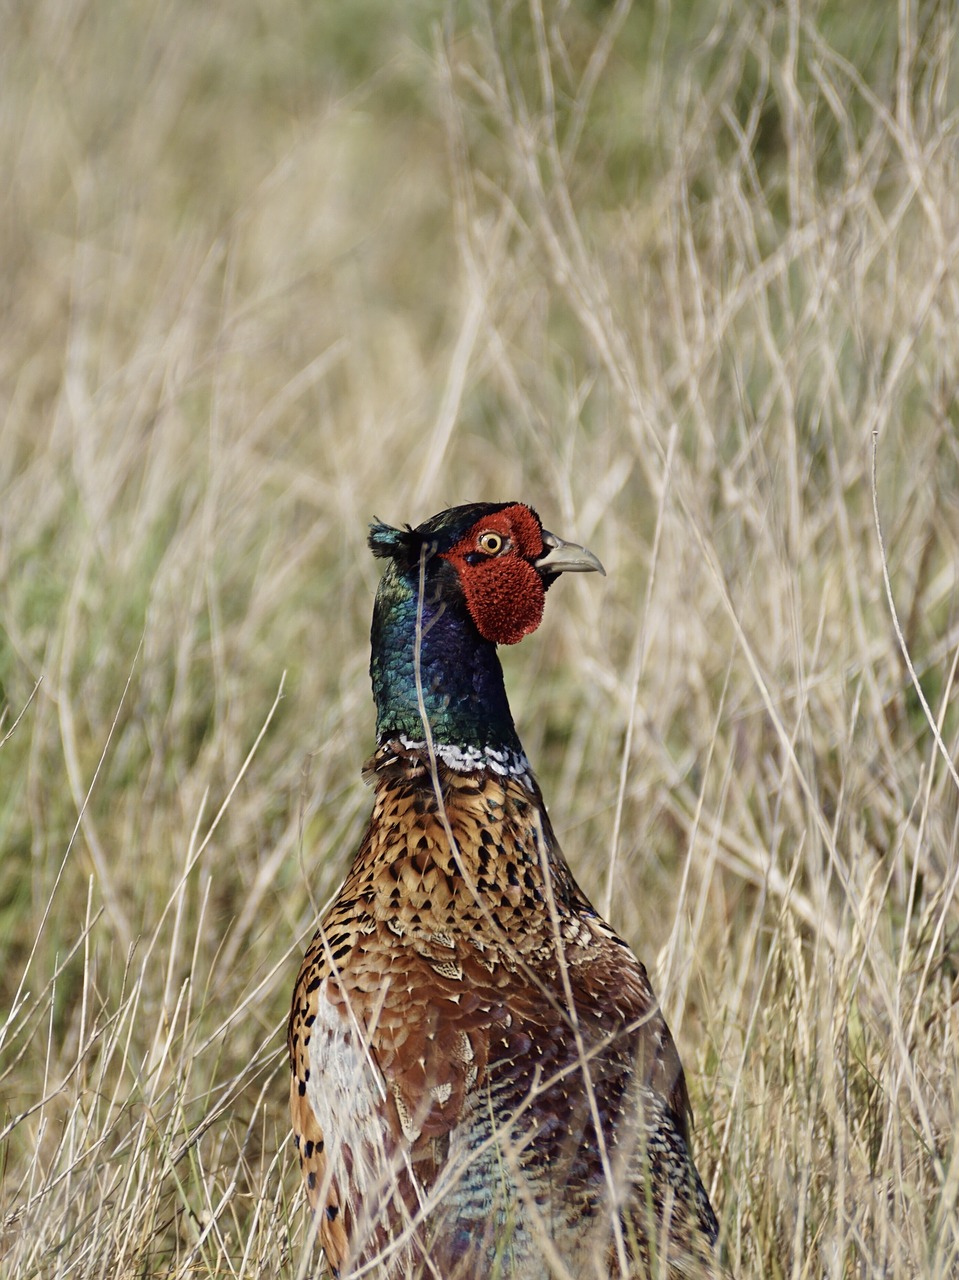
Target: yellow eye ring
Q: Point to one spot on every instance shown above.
(490, 543)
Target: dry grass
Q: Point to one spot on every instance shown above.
(671, 275)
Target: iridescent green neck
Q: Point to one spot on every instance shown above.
(462, 681)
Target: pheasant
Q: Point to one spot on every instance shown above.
(483, 1084)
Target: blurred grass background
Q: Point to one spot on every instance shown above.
(670, 273)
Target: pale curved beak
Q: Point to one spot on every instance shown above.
(567, 557)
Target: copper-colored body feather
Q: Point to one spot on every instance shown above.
(479, 980)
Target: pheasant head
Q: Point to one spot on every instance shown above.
(466, 580)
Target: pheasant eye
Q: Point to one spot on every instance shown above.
(491, 543)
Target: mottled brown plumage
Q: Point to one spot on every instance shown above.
(483, 1083)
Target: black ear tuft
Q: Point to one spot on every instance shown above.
(385, 541)
(402, 545)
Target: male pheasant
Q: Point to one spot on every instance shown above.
(483, 1083)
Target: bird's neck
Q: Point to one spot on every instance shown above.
(455, 682)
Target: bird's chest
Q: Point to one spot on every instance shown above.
(434, 1002)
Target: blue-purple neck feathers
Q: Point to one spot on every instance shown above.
(464, 696)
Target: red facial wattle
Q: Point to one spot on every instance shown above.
(504, 592)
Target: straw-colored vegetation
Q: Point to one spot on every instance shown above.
(676, 275)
